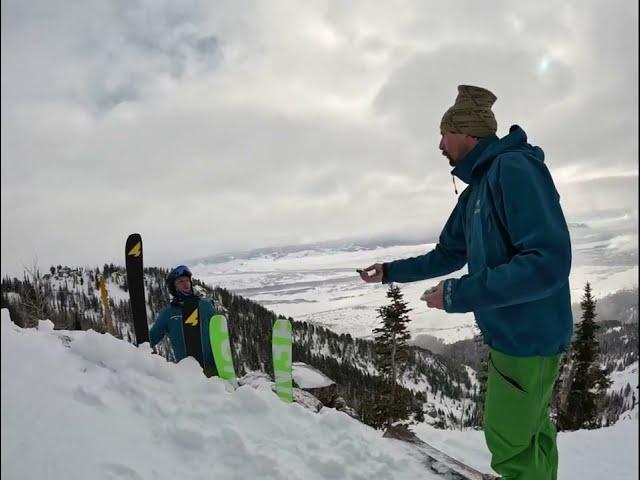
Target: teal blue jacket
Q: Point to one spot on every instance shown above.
(169, 323)
(509, 228)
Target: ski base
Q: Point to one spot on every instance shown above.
(281, 346)
(437, 461)
(219, 339)
(135, 280)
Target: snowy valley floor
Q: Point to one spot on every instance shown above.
(91, 406)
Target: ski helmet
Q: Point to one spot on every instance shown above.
(180, 271)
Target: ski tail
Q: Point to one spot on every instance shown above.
(221, 348)
(135, 280)
(281, 346)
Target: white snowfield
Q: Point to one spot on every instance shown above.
(308, 377)
(320, 285)
(80, 405)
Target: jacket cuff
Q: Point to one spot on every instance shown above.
(385, 274)
(447, 297)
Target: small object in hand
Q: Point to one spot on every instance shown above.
(427, 292)
(369, 273)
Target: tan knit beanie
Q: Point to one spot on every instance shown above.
(471, 113)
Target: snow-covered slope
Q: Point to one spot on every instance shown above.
(92, 406)
(79, 405)
(607, 453)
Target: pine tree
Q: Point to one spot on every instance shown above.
(588, 382)
(391, 356)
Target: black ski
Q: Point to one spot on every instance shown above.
(191, 328)
(135, 279)
(437, 461)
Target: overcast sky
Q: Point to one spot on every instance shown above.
(210, 126)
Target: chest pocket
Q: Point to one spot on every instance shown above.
(474, 230)
(497, 237)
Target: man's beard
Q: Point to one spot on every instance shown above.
(451, 162)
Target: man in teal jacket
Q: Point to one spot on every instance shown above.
(169, 321)
(508, 227)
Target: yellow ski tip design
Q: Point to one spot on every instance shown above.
(136, 250)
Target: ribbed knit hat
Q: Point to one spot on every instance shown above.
(471, 113)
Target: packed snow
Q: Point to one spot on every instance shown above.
(306, 376)
(606, 453)
(79, 405)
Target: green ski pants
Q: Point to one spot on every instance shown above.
(517, 427)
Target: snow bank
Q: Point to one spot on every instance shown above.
(607, 453)
(306, 376)
(78, 405)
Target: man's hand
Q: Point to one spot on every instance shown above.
(372, 274)
(435, 296)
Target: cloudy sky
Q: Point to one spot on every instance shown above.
(210, 126)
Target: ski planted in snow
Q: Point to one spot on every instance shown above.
(191, 328)
(220, 347)
(281, 346)
(135, 280)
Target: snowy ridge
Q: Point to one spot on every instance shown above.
(625, 382)
(91, 406)
(425, 375)
(445, 388)
(71, 293)
(100, 408)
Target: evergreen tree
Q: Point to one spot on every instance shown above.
(391, 356)
(588, 381)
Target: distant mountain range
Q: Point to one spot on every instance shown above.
(339, 245)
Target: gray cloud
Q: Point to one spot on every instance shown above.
(214, 126)
(101, 55)
(420, 91)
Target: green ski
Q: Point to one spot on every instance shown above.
(281, 345)
(219, 338)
